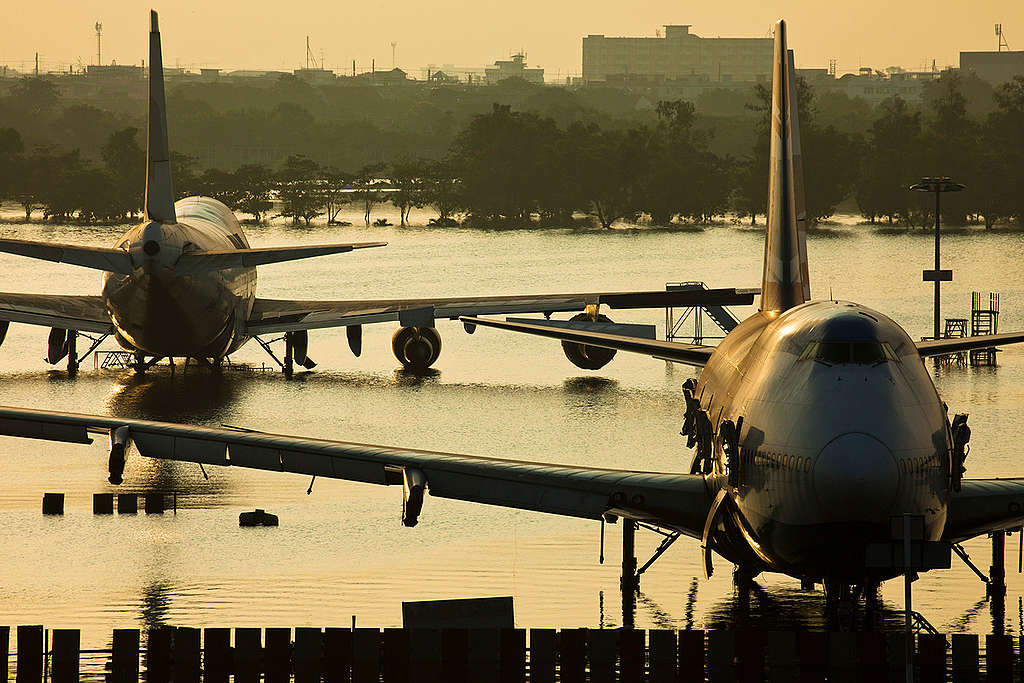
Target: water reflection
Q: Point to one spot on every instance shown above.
(196, 395)
(155, 604)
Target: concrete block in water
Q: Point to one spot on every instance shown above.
(127, 503)
(103, 503)
(53, 503)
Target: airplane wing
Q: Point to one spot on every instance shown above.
(281, 315)
(678, 501)
(984, 505)
(100, 258)
(238, 258)
(689, 354)
(937, 347)
(82, 313)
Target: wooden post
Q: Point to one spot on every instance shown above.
(365, 655)
(337, 654)
(277, 655)
(749, 646)
(691, 656)
(396, 655)
(125, 657)
(842, 657)
(5, 652)
(601, 650)
(154, 503)
(217, 659)
(483, 662)
(127, 503)
(66, 647)
(631, 656)
(896, 655)
(931, 658)
(781, 656)
(248, 655)
(663, 656)
(965, 657)
(998, 658)
(103, 503)
(721, 656)
(186, 655)
(309, 654)
(425, 655)
(30, 654)
(543, 654)
(871, 647)
(572, 655)
(53, 503)
(158, 655)
(513, 655)
(454, 655)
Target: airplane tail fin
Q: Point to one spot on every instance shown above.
(786, 283)
(159, 191)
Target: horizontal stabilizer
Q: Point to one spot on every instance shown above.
(937, 347)
(247, 258)
(100, 258)
(690, 354)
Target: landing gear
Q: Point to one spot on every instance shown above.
(141, 364)
(416, 348)
(743, 579)
(72, 352)
(295, 346)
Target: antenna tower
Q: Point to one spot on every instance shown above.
(99, 34)
(1001, 39)
(394, 60)
(311, 58)
(832, 67)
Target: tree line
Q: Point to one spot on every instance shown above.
(519, 167)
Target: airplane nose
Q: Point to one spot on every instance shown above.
(855, 478)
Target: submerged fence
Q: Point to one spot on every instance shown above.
(362, 655)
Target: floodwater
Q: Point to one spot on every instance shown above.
(341, 551)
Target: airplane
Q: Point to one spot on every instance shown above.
(182, 284)
(814, 422)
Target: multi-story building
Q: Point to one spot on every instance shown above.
(678, 55)
(994, 67)
(513, 68)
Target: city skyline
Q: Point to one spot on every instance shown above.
(222, 35)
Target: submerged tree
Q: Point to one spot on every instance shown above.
(299, 189)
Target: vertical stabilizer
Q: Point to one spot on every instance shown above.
(159, 192)
(786, 283)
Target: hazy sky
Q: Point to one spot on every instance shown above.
(271, 35)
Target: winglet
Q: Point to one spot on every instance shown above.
(786, 283)
(159, 191)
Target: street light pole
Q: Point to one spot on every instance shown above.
(938, 185)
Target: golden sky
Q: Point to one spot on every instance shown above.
(271, 35)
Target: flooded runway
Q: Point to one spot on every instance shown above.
(341, 550)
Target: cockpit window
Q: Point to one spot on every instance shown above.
(849, 352)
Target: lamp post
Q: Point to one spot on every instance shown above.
(938, 185)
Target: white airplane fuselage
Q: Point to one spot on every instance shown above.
(158, 310)
(835, 438)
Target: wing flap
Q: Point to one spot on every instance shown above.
(98, 258)
(83, 313)
(937, 347)
(675, 500)
(690, 354)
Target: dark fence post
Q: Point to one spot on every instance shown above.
(127, 503)
(513, 655)
(67, 643)
(721, 656)
(425, 655)
(998, 658)
(965, 657)
(396, 655)
(217, 659)
(896, 656)
(842, 657)
(125, 664)
(543, 654)
(158, 655)
(5, 652)
(365, 655)
(631, 656)
(691, 656)
(484, 659)
(454, 655)
(781, 655)
(813, 649)
(248, 655)
(601, 650)
(30, 654)
(931, 658)
(572, 655)
(277, 655)
(103, 503)
(337, 654)
(750, 654)
(662, 656)
(309, 654)
(186, 655)
(872, 661)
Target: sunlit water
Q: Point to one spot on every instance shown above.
(342, 551)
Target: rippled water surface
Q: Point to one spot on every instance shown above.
(342, 551)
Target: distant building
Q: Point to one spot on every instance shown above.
(316, 76)
(121, 72)
(513, 68)
(678, 55)
(392, 77)
(994, 67)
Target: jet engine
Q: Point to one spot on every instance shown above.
(588, 357)
(120, 440)
(4, 324)
(416, 348)
(56, 345)
(414, 483)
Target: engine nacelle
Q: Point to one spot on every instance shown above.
(584, 356)
(4, 324)
(416, 348)
(414, 485)
(120, 441)
(56, 345)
